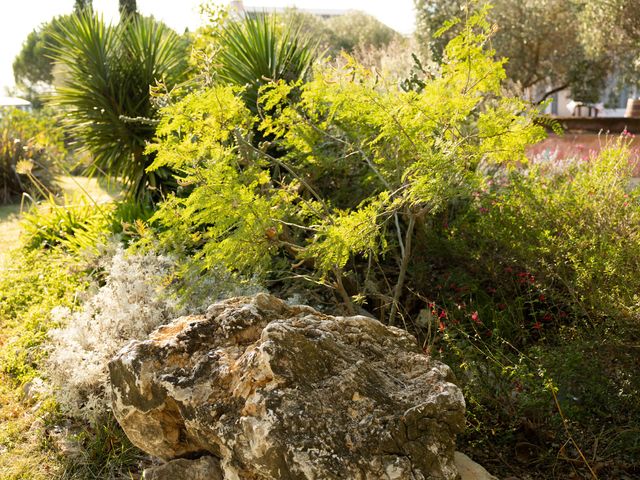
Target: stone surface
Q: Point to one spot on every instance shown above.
(281, 392)
(470, 470)
(203, 468)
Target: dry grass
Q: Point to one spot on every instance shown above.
(23, 438)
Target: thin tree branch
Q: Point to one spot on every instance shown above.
(403, 269)
(551, 92)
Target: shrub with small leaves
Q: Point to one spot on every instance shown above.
(574, 227)
(128, 306)
(336, 179)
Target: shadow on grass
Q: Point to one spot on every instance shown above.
(98, 189)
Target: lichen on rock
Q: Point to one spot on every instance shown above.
(285, 392)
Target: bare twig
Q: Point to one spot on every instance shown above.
(568, 432)
(343, 292)
(403, 269)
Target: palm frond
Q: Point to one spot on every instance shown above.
(256, 50)
(106, 73)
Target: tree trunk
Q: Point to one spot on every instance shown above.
(127, 8)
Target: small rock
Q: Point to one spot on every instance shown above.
(470, 470)
(32, 389)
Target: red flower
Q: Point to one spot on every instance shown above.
(547, 317)
(542, 297)
(442, 326)
(537, 326)
(475, 317)
(443, 314)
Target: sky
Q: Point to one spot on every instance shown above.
(19, 17)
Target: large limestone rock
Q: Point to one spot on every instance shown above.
(271, 391)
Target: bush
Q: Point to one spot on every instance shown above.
(31, 149)
(137, 294)
(354, 171)
(74, 225)
(128, 306)
(30, 286)
(77, 225)
(531, 297)
(36, 440)
(573, 228)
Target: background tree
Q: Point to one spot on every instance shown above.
(81, 5)
(611, 28)
(349, 32)
(357, 29)
(255, 50)
(127, 8)
(540, 38)
(32, 67)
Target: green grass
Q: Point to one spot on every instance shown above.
(37, 441)
(98, 190)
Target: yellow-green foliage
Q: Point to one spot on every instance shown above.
(339, 168)
(78, 225)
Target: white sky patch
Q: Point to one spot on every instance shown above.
(18, 18)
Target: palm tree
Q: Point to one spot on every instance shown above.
(256, 49)
(104, 90)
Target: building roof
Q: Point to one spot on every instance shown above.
(321, 12)
(238, 5)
